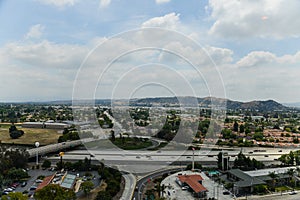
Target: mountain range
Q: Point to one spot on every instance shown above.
(258, 105)
(268, 105)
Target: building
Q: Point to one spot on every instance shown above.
(225, 161)
(243, 182)
(194, 182)
(46, 181)
(68, 181)
(46, 125)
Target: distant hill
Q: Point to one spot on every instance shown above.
(268, 105)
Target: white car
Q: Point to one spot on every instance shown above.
(185, 188)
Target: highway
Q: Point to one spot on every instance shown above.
(130, 182)
(142, 182)
(140, 162)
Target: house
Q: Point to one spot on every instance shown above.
(194, 182)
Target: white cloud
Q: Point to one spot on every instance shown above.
(264, 58)
(256, 58)
(162, 1)
(46, 54)
(104, 3)
(35, 32)
(59, 3)
(263, 75)
(247, 18)
(169, 21)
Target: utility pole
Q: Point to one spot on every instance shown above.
(193, 163)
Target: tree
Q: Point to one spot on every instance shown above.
(17, 174)
(103, 195)
(54, 192)
(14, 196)
(10, 158)
(46, 164)
(113, 137)
(273, 176)
(87, 186)
(291, 158)
(242, 128)
(291, 173)
(14, 133)
(235, 126)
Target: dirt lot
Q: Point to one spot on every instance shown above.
(44, 136)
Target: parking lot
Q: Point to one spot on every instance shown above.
(33, 182)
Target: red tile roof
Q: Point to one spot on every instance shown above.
(46, 181)
(193, 182)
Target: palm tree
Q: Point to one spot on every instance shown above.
(291, 173)
(273, 177)
(298, 171)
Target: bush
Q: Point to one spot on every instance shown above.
(46, 164)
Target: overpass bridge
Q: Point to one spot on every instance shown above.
(56, 147)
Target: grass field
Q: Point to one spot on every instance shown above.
(44, 136)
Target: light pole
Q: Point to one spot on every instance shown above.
(193, 163)
(37, 144)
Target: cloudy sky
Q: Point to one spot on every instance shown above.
(239, 49)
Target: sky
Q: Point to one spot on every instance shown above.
(62, 49)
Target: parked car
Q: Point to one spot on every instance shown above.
(8, 190)
(293, 193)
(185, 188)
(23, 184)
(226, 192)
(32, 188)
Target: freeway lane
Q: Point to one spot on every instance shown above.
(130, 183)
(142, 182)
(144, 161)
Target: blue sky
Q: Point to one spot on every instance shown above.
(255, 47)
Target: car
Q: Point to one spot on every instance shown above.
(23, 184)
(8, 190)
(251, 152)
(226, 192)
(38, 181)
(5, 193)
(292, 193)
(266, 155)
(15, 184)
(185, 188)
(280, 150)
(32, 188)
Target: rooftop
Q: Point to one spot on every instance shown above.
(246, 179)
(68, 181)
(46, 181)
(193, 182)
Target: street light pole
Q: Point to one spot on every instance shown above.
(193, 164)
(37, 144)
